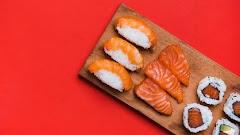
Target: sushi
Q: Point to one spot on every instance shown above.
(151, 93)
(196, 117)
(136, 31)
(232, 107)
(211, 90)
(162, 76)
(112, 74)
(173, 58)
(124, 53)
(225, 127)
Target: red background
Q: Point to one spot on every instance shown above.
(44, 43)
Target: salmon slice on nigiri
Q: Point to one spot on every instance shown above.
(124, 53)
(112, 74)
(162, 76)
(173, 58)
(151, 93)
(136, 31)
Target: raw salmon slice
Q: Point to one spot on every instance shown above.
(236, 108)
(162, 76)
(151, 93)
(211, 91)
(110, 69)
(173, 58)
(194, 118)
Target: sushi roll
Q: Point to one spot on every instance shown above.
(232, 107)
(124, 53)
(196, 117)
(151, 93)
(225, 127)
(136, 31)
(211, 90)
(112, 74)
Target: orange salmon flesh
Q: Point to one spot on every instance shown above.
(162, 76)
(173, 58)
(211, 91)
(194, 118)
(236, 108)
(151, 93)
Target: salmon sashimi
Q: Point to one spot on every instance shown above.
(111, 73)
(236, 108)
(136, 31)
(151, 93)
(165, 79)
(124, 53)
(194, 118)
(211, 92)
(173, 58)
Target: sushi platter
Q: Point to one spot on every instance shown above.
(159, 75)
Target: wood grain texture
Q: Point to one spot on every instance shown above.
(200, 66)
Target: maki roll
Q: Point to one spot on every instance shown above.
(211, 90)
(136, 31)
(225, 127)
(112, 74)
(232, 107)
(196, 117)
(124, 53)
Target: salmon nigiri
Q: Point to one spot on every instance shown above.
(165, 79)
(151, 93)
(136, 31)
(111, 73)
(124, 53)
(174, 59)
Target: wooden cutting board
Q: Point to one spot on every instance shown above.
(200, 66)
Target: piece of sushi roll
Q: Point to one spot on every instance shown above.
(112, 74)
(232, 107)
(225, 127)
(211, 90)
(136, 31)
(124, 53)
(196, 117)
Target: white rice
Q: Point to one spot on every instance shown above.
(216, 130)
(228, 106)
(110, 79)
(206, 117)
(214, 82)
(135, 36)
(122, 58)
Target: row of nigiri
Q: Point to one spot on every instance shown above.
(197, 117)
(124, 53)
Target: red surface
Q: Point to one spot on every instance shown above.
(44, 43)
